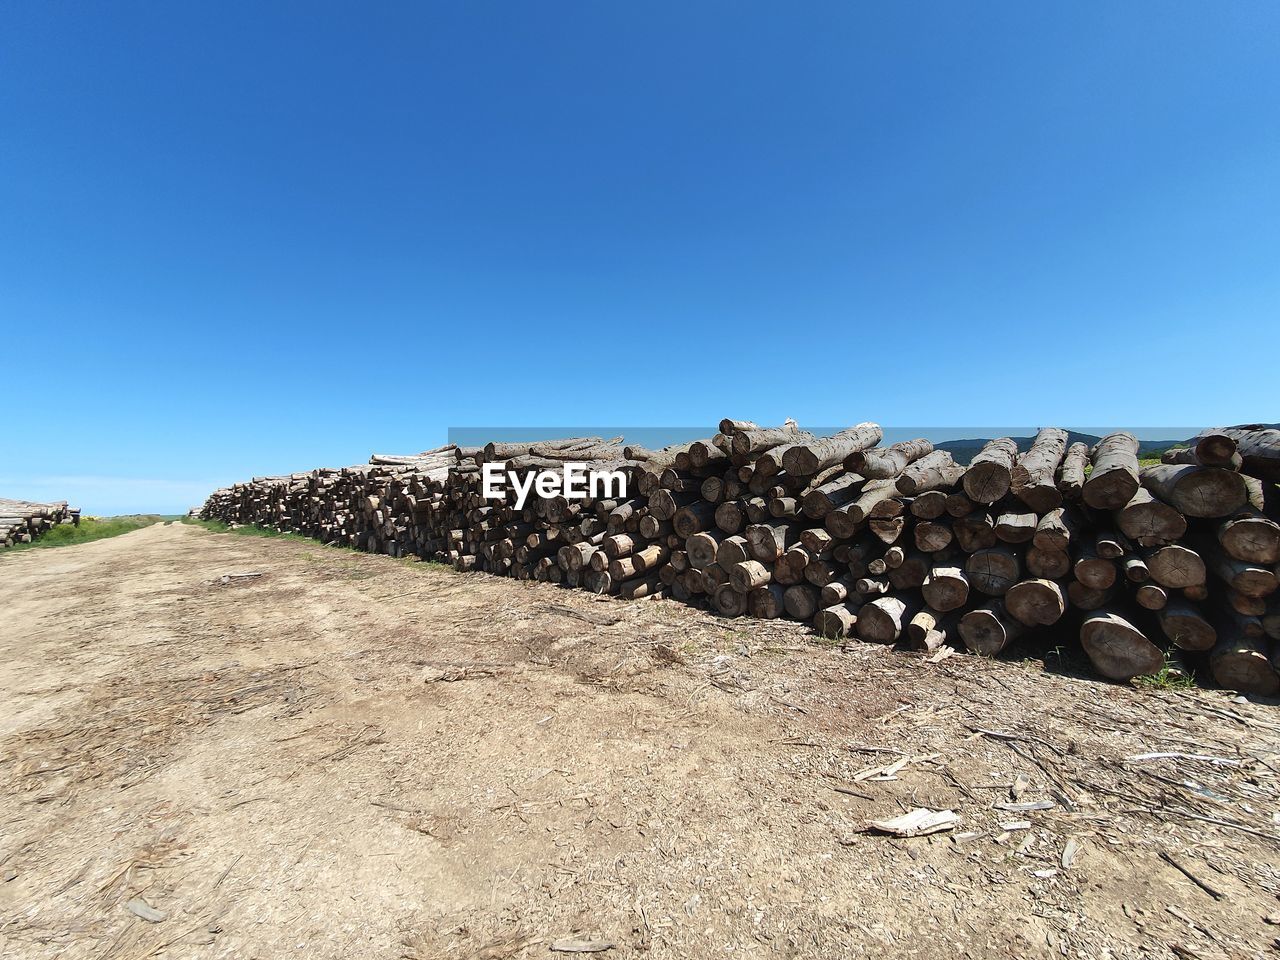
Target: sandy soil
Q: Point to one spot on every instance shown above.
(351, 756)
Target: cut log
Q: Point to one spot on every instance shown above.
(1197, 491)
(1056, 529)
(989, 629)
(1250, 536)
(1185, 626)
(994, 571)
(936, 471)
(1244, 664)
(883, 619)
(882, 463)
(990, 473)
(1114, 479)
(760, 439)
(1035, 472)
(1048, 564)
(946, 588)
(766, 602)
(801, 601)
(813, 455)
(1175, 567)
(1016, 527)
(1118, 649)
(1071, 476)
(1036, 602)
(1150, 522)
(1259, 447)
(837, 621)
(929, 629)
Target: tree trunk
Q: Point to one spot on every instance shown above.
(1071, 476)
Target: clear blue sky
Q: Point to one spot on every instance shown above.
(241, 239)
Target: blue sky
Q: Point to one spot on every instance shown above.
(241, 239)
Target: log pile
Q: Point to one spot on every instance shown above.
(1168, 567)
(22, 521)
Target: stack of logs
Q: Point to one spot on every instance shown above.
(22, 521)
(1170, 568)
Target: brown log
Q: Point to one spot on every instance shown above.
(759, 439)
(768, 541)
(1118, 649)
(813, 455)
(1197, 491)
(883, 619)
(1089, 598)
(1151, 596)
(929, 505)
(1094, 571)
(1249, 579)
(1149, 521)
(1114, 479)
(976, 531)
(936, 471)
(989, 629)
(929, 629)
(1033, 480)
(1016, 527)
(1056, 529)
(1176, 567)
(990, 473)
(1047, 564)
(1217, 450)
(1259, 446)
(994, 571)
(946, 588)
(731, 550)
(932, 536)
(1251, 537)
(1244, 664)
(746, 576)
(1071, 475)
(1185, 626)
(837, 621)
(881, 463)
(801, 601)
(728, 601)
(1036, 602)
(694, 518)
(766, 602)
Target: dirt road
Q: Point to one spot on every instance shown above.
(349, 756)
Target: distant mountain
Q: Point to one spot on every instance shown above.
(964, 450)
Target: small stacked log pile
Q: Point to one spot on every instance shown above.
(1167, 567)
(22, 521)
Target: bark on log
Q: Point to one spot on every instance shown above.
(1259, 447)
(1035, 472)
(990, 473)
(813, 455)
(1114, 479)
(881, 463)
(1071, 476)
(883, 619)
(936, 471)
(1150, 522)
(1197, 491)
(946, 589)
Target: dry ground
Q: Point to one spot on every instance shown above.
(349, 756)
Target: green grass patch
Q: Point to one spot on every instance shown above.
(1168, 677)
(92, 528)
(245, 530)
